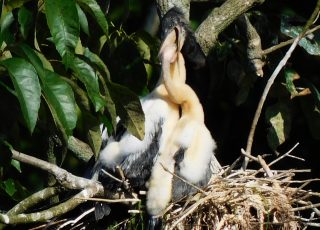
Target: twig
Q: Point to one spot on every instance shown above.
(190, 210)
(112, 200)
(66, 179)
(270, 82)
(261, 161)
(265, 166)
(34, 199)
(48, 225)
(185, 181)
(306, 207)
(72, 222)
(288, 42)
(111, 176)
(284, 155)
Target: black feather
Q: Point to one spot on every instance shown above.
(181, 188)
(191, 49)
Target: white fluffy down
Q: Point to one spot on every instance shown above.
(198, 155)
(155, 110)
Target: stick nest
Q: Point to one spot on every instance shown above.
(243, 200)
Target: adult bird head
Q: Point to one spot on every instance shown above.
(172, 44)
(191, 50)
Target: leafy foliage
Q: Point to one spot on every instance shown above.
(57, 66)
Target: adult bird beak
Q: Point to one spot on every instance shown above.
(174, 40)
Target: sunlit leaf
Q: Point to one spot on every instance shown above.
(128, 108)
(83, 20)
(16, 165)
(27, 87)
(63, 21)
(87, 75)
(60, 99)
(279, 118)
(94, 9)
(103, 69)
(311, 42)
(57, 93)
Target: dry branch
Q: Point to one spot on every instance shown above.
(66, 179)
(219, 19)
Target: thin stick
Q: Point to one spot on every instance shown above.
(111, 176)
(112, 200)
(306, 207)
(285, 43)
(72, 222)
(284, 155)
(270, 83)
(185, 181)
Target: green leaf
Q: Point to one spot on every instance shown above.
(83, 20)
(63, 22)
(311, 42)
(9, 187)
(103, 69)
(25, 21)
(96, 60)
(94, 9)
(128, 108)
(57, 93)
(16, 165)
(27, 86)
(60, 99)
(290, 76)
(5, 34)
(87, 75)
(279, 118)
(33, 58)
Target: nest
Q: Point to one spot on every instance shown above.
(243, 200)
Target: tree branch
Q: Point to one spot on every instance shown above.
(66, 179)
(80, 149)
(34, 199)
(219, 19)
(54, 211)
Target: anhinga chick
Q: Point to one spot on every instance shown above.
(135, 157)
(190, 139)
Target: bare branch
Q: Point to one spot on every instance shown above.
(219, 19)
(80, 149)
(55, 211)
(34, 199)
(254, 50)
